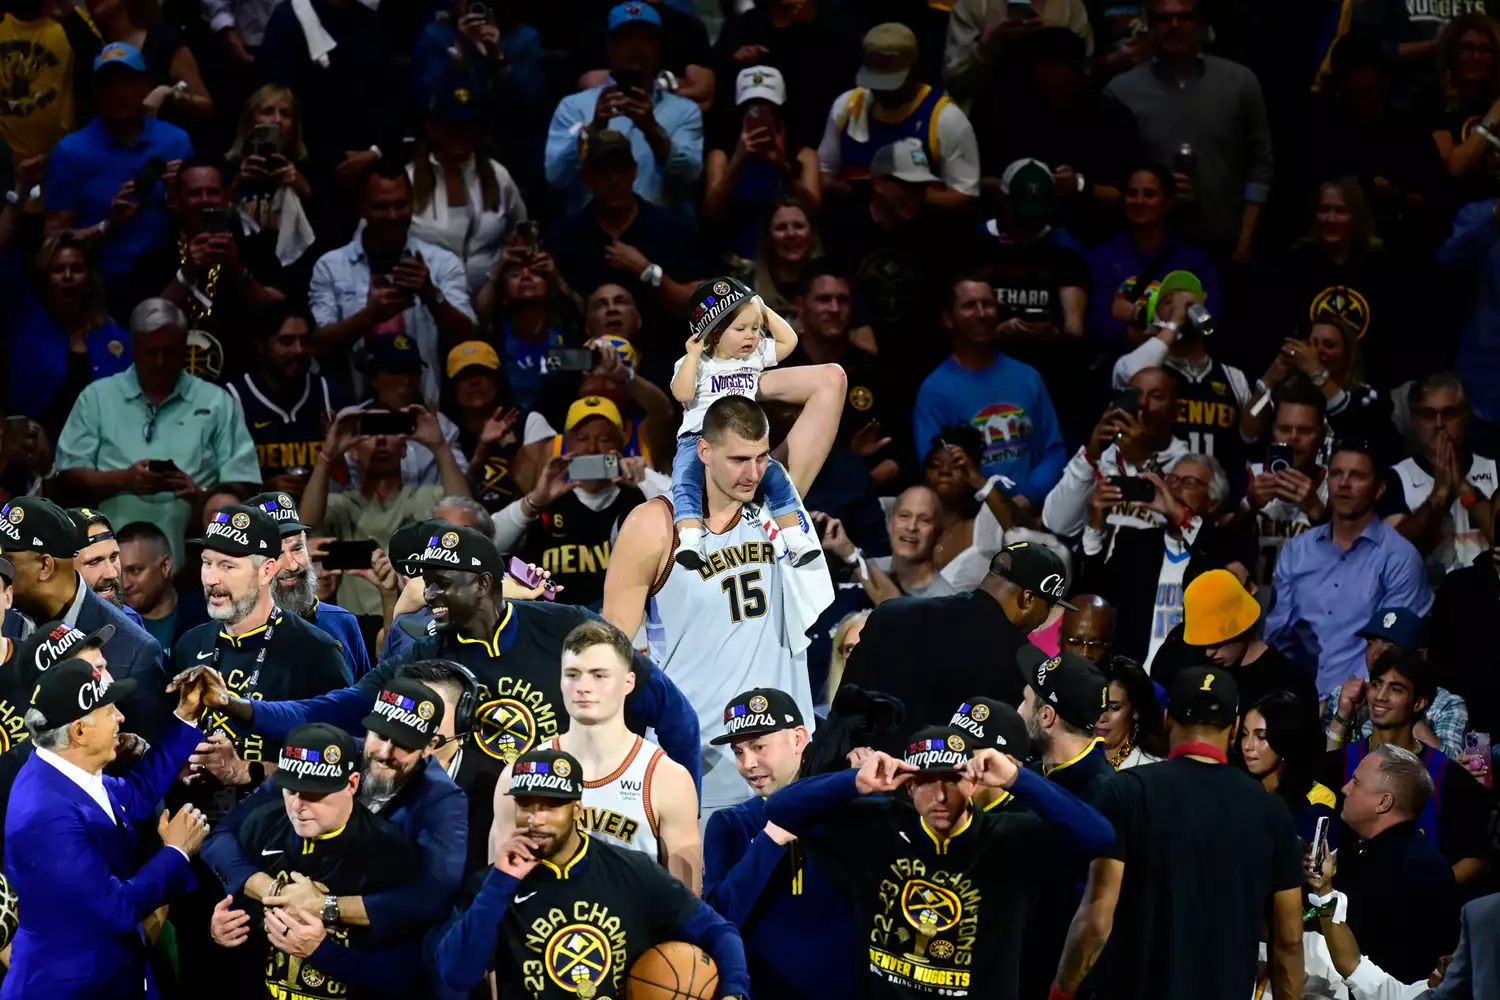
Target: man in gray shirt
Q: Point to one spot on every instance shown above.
(1203, 117)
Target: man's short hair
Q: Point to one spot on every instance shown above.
(1357, 445)
(276, 314)
(202, 163)
(1405, 777)
(824, 267)
(435, 672)
(145, 531)
(600, 633)
(1437, 382)
(1298, 391)
(739, 414)
(386, 169)
(156, 314)
(484, 522)
(1412, 665)
(964, 278)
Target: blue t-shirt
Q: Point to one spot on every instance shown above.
(85, 171)
(524, 364)
(1008, 404)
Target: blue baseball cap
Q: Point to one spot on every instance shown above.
(120, 54)
(1399, 626)
(455, 105)
(636, 12)
(391, 353)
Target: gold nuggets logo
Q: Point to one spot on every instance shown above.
(956, 744)
(450, 539)
(285, 501)
(507, 729)
(424, 711)
(1341, 305)
(931, 910)
(1046, 667)
(240, 520)
(16, 515)
(400, 343)
(562, 768)
(979, 713)
(578, 959)
(721, 288)
(758, 704)
(312, 977)
(861, 398)
(331, 754)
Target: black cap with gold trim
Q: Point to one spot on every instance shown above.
(994, 725)
(317, 758)
(547, 774)
(407, 713)
(281, 508)
(939, 749)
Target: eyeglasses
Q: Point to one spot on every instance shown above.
(1085, 643)
(149, 431)
(1191, 482)
(1428, 413)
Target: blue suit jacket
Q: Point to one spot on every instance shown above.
(82, 891)
(1475, 972)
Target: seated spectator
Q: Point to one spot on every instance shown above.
(1330, 578)
(909, 571)
(685, 54)
(1129, 267)
(1001, 397)
(786, 248)
(751, 167)
(1131, 723)
(1440, 499)
(1184, 99)
(475, 400)
(386, 281)
(61, 336)
(219, 276)
(1468, 59)
(528, 305)
(662, 130)
(462, 200)
(98, 561)
(270, 186)
(970, 530)
(1282, 749)
(890, 103)
(177, 93)
(92, 173)
(124, 427)
(843, 639)
(1039, 273)
(983, 35)
(1287, 492)
(393, 369)
(465, 49)
(286, 407)
(1462, 632)
(62, 44)
(568, 526)
(1474, 247)
(383, 502)
(147, 574)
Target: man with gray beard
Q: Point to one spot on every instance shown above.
(295, 587)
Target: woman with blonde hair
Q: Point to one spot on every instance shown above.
(269, 185)
(845, 638)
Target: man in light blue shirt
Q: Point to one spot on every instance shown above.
(124, 427)
(1330, 579)
(665, 131)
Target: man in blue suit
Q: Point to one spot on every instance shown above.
(41, 541)
(71, 855)
(1475, 971)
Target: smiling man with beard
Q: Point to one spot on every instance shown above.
(295, 587)
(98, 562)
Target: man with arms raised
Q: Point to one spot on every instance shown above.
(633, 794)
(739, 622)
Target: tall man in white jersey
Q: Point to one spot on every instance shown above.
(740, 622)
(634, 795)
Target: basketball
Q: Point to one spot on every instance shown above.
(673, 970)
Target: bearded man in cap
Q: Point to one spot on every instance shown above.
(994, 725)
(42, 543)
(98, 561)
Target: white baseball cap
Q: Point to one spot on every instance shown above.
(764, 83)
(904, 160)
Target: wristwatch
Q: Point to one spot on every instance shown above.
(330, 912)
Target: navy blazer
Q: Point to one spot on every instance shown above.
(82, 891)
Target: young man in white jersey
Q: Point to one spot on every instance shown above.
(634, 795)
(739, 622)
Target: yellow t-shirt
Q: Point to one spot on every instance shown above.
(36, 85)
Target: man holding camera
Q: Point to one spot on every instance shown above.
(1288, 492)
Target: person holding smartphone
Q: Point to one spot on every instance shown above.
(1287, 492)
(271, 155)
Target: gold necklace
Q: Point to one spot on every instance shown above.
(199, 307)
(1118, 755)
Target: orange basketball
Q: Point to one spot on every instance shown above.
(673, 970)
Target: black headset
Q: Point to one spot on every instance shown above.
(468, 698)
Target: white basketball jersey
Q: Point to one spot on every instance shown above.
(722, 631)
(617, 807)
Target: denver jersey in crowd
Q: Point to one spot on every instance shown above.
(287, 439)
(573, 541)
(1208, 413)
(367, 855)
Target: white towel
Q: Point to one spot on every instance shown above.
(294, 233)
(859, 124)
(806, 591)
(319, 41)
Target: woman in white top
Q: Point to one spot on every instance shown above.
(462, 200)
(1131, 723)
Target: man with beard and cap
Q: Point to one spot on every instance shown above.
(98, 562)
(565, 914)
(42, 542)
(941, 886)
(758, 876)
(995, 725)
(402, 783)
(319, 831)
(296, 584)
(513, 649)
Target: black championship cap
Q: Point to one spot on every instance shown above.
(939, 748)
(86, 518)
(238, 530)
(54, 642)
(1036, 568)
(407, 713)
(714, 302)
(7, 570)
(1071, 684)
(36, 524)
(1204, 696)
(281, 508)
(407, 544)
(757, 712)
(317, 759)
(74, 688)
(995, 725)
(547, 774)
(444, 546)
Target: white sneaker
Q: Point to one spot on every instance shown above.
(802, 548)
(690, 553)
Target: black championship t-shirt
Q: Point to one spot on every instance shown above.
(587, 921)
(573, 542)
(1205, 849)
(367, 856)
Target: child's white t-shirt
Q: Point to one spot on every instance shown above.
(723, 377)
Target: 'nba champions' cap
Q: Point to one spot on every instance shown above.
(281, 508)
(407, 713)
(238, 530)
(317, 758)
(1035, 567)
(757, 712)
(36, 524)
(994, 725)
(547, 774)
(938, 749)
(54, 642)
(440, 544)
(1070, 683)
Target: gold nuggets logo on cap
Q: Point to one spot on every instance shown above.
(241, 520)
(979, 713)
(424, 711)
(561, 768)
(758, 704)
(285, 501)
(861, 398)
(450, 539)
(956, 744)
(400, 343)
(332, 754)
(721, 288)
(16, 515)
(1046, 667)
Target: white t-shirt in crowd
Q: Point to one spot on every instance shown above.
(1167, 612)
(723, 377)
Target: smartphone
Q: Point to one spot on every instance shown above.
(530, 233)
(1185, 159)
(161, 465)
(1479, 745)
(265, 140)
(570, 359)
(1021, 10)
(1128, 400)
(149, 176)
(761, 114)
(214, 219)
(1320, 844)
(478, 9)
(387, 422)
(1134, 489)
(519, 571)
(630, 81)
(1278, 457)
(586, 468)
(349, 555)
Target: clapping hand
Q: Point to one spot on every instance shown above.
(186, 831)
(498, 424)
(867, 440)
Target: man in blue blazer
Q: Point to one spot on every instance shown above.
(71, 855)
(1475, 971)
